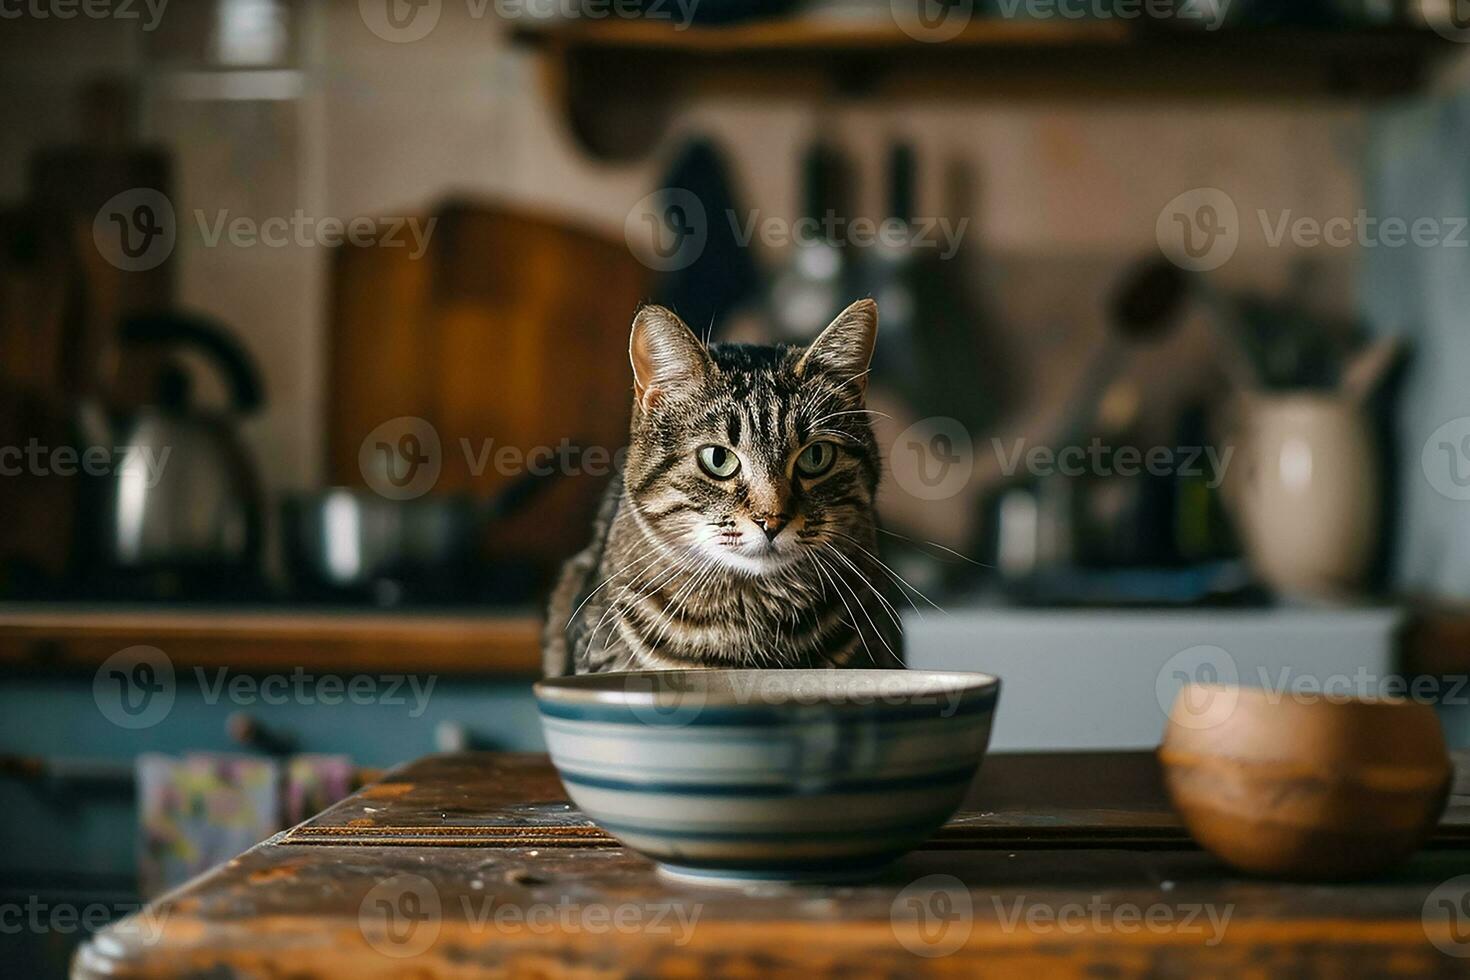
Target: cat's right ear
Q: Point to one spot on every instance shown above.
(665, 354)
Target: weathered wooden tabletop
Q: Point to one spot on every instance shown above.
(1059, 864)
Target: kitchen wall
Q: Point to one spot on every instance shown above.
(1062, 191)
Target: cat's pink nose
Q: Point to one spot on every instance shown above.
(771, 524)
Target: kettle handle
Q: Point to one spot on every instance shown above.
(209, 338)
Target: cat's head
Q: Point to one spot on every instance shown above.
(753, 456)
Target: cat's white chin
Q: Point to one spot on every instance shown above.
(752, 564)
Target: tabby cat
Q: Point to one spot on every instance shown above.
(740, 531)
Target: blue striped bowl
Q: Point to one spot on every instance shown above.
(769, 774)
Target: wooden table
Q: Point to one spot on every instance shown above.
(1059, 864)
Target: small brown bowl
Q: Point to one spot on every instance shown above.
(1300, 786)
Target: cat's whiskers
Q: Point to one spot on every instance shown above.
(898, 579)
(621, 602)
(882, 600)
(850, 411)
(831, 573)
(637, 561)
(857, 601)
(700, 574)
(933, 544)
(625, 605)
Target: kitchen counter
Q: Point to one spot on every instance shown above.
(80, 636)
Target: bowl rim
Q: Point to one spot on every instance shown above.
(612, 688)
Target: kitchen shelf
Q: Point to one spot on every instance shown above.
(79, 639)
(617, 79)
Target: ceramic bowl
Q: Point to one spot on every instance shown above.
(1304, 786)
(769, 774)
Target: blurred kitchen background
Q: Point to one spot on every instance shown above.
(1167, 396)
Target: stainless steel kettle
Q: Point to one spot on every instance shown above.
(179, 509)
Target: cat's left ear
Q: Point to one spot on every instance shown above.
(846, 347)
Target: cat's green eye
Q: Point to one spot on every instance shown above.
(718, 462)
(816, 459)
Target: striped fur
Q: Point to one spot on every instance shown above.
(768, 568)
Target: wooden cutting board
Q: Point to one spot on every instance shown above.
(512, 327)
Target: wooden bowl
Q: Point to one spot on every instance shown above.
(1304, 786)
